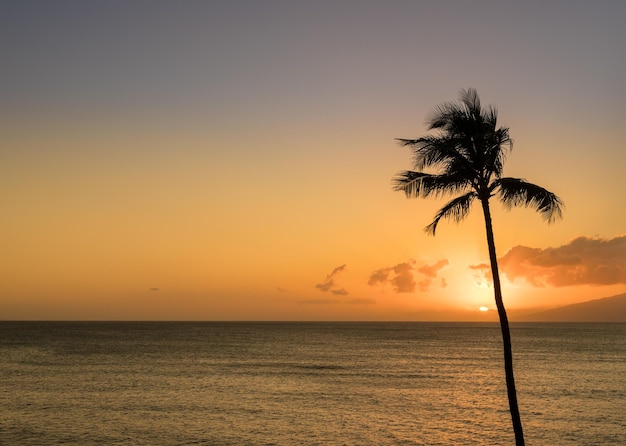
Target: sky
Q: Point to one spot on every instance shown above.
(232, 160)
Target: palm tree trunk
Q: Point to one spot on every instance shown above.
(504, 326)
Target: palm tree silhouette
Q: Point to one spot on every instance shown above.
(468, 154)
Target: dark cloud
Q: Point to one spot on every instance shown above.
(583, 261)
(330, 285)
(155, 289)
(401, 276)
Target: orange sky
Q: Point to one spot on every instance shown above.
(224, 160)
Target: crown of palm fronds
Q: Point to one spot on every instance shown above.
(467, 154)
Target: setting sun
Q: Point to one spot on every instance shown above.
(483, 308)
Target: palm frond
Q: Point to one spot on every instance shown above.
(409, 182)
(499, 146)
(471, 103)
(456, 210)
(431, 151)
(424, 185)
(470, 129)
(517, 192)
(491, 116)
(440, 152)
(444, 115)
(467, 155)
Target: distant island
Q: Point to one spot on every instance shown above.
(609, 309)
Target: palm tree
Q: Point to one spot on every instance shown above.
(467, 155)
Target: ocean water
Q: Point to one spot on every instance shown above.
(92, 383)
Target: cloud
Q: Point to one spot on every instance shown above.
(481, 266)
(483, 273)
(583, 261)
(155, 289)
(432, 270)
(330, 285)
(401, 276)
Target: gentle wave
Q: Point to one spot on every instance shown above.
(292, 384)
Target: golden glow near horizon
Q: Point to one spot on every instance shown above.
(240, 167)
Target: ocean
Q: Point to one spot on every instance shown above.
(212, 383)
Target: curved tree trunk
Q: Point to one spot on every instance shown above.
(504, 326)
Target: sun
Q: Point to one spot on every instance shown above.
(483, 308)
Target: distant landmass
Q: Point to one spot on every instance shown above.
(609, 309)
